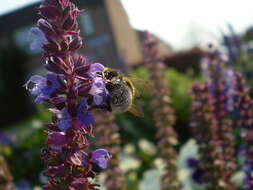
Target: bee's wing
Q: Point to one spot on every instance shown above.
(136, 109)
(142, 87)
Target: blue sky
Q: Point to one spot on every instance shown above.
(182, 23)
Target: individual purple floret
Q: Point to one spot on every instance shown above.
(100, 157)
(85, 118)
(42, 87)
(245, 106)
(39, 40)
(37, 82)
(98, 90)
(73, 87)
(64, 120)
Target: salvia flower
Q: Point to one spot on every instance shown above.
(212, 125)
(73, 87)
(245, 105)
(85, 118)
(163, 114)
(39, 40)
(64, 120)
(42, 87)
(110, 139)
(98, 90)
(37, 82)
(100, 157)
(200, 124)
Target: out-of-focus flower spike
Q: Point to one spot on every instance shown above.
(213, 103)
(163, 114)
(110, 139)
(245, 108)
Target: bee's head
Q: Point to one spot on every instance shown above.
(112, 75)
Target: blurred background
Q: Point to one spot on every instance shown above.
(113, 32)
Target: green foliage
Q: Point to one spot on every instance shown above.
(180, 86)
(26, 162)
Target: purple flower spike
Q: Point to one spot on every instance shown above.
(64, 120)
(100, 157)
(67, 89)
(84, 117)
(39, 39)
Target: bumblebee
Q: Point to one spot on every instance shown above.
(124, 91)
